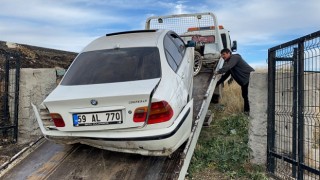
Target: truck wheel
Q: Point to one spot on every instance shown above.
(197, 63)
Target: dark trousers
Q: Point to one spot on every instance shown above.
(244, 90)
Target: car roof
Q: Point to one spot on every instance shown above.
(140, 38)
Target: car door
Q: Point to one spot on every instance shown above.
(185, 70)
(179, 62)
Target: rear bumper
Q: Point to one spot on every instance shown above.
(157, 142)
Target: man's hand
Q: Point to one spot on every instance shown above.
(216, 73)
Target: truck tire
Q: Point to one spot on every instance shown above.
(197, 63)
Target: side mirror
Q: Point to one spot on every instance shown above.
(234, 46)
(191, 43)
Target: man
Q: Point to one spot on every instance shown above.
(240, 72)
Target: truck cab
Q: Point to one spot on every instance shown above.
(207, 52)
(205, 35)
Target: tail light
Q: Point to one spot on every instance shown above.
(159, 112)
(57, 119)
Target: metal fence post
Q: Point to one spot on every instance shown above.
(16, 99)
(271, 111)
(294, 110)
(300, 108)
(6, 89)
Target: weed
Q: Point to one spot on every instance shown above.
(224, 145)
(227, 149)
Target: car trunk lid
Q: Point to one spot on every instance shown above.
(100, 106)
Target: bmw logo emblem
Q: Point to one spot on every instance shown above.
(94, 102)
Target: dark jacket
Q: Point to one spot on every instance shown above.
(238, 68)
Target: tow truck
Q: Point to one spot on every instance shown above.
(47, 160)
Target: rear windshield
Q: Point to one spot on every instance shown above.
(114, 65)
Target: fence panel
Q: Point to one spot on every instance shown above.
(9, 96)
(293, 113)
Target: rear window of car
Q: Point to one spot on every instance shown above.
(114, 65)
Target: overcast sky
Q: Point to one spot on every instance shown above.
(71, 24)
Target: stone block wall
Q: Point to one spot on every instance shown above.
(35, 86)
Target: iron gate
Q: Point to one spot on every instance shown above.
(9, 96)
(293, 108)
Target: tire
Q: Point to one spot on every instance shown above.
(197, 63)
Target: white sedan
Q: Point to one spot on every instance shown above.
(127, 92)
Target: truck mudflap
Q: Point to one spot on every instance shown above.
(146, 144)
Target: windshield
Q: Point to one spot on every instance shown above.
(114, 65)
(203, 39)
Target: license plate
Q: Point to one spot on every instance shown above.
(100, 118)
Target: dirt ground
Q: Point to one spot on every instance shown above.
(36, 57)
(7, 151)
(209, 174)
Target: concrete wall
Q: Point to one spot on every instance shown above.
(258, 98)
(35, 85)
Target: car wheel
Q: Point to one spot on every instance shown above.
(197, 63)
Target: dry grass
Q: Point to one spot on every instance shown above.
(232, 99)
